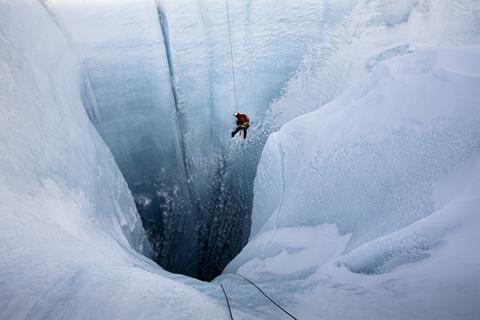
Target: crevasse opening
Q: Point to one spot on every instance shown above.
(158, 89)
(163, 103)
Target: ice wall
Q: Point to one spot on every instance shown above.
(372, 33)
(129, 98)
(70, 236)
(367, 206)
(47, 139)
(222, 172)
(405, 129)
(159, 91)
(371, 202)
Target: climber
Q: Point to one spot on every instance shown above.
(242, 124)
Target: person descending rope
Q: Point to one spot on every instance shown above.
(243, 123)
(242, 119)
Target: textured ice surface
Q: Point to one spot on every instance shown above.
(68, 223)
(158, 87)
(405, 127)
(47, 140)
(393, 163)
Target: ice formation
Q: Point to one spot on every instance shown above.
(158, 87)
(410, 122)
(387, 174)
(70, 236)
(366, 198)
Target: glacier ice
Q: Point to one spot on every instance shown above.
(39, 106)
(366, 208)
(158, 87)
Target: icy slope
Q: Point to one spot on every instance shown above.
(68, 224)
(385, 175)
(411, 120)
(128, 95)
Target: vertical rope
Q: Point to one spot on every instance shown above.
(231, 56)
(228, 303)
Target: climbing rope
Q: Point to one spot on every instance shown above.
(271, 300)
(228, 303)
(231, 56)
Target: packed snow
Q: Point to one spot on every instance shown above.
(366, 195)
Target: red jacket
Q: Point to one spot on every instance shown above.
(242, 119)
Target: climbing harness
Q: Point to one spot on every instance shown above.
(231, 56)
(261, 291)
(228, 303)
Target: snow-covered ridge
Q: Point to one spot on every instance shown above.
(409, 121)
(394, 164)
(160, 94)
(158, 88)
